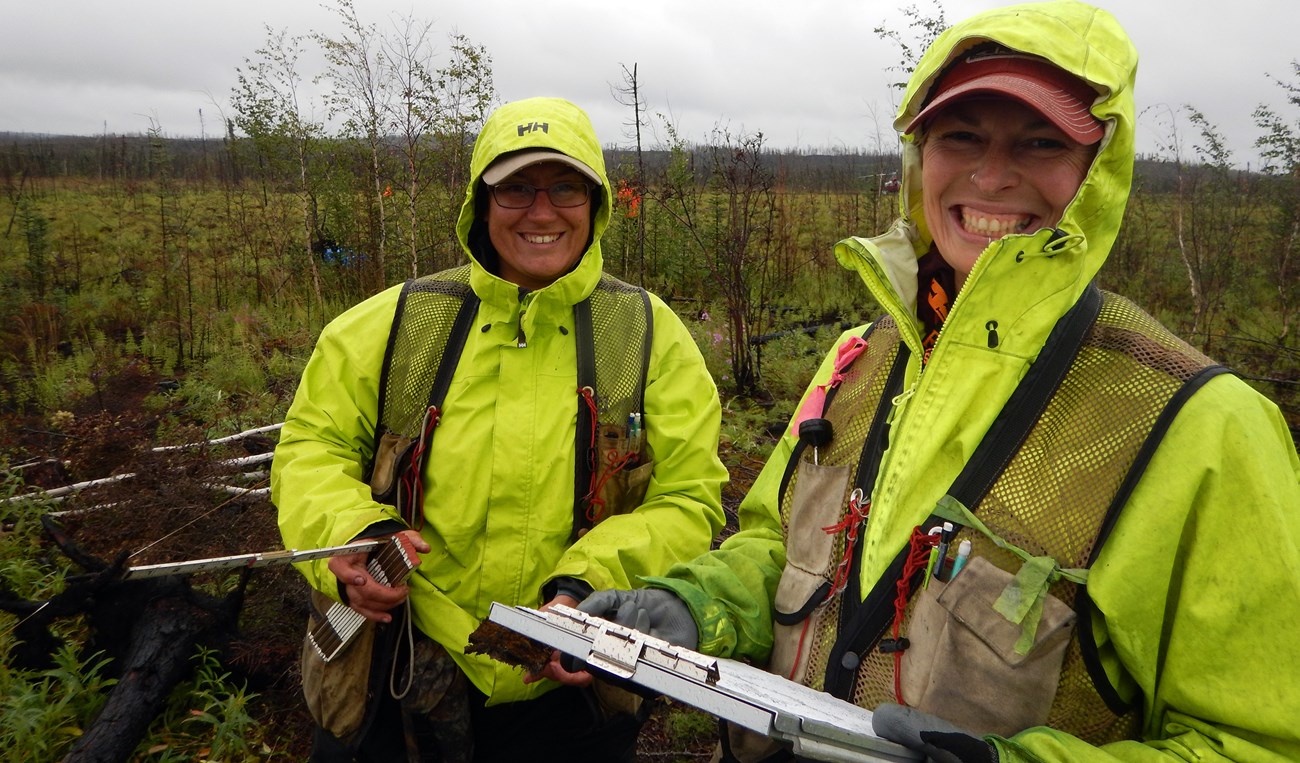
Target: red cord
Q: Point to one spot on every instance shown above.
(412, 478)
(849, 525)
(616, 464)
(802, 635)
(858, 512)
(918, 556)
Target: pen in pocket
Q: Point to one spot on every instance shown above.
(929, 566)
(963, 553)
(945, 538)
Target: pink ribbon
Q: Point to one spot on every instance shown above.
(816, 401)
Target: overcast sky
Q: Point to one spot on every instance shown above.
(807, 73)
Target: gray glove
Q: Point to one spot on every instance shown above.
(654, 611)
(941, 741)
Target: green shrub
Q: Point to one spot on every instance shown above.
(207, 719)
(43, 713)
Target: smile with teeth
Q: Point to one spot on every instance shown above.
(991, 225)
(534, 238)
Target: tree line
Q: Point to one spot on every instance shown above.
(281, 210)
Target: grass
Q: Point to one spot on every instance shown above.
(210, 332)
(42, 713)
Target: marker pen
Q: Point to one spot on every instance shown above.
(963, 553)
(945, 537)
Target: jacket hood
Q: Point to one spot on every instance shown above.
(1084, 41)
(533, 123)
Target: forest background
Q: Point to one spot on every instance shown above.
(158, 291)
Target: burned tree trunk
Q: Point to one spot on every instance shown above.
(158, 505)
(170, 619)
(149, 629)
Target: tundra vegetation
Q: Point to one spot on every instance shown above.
(158, 291)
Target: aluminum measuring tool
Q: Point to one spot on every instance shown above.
(816, 724)
(240, 561)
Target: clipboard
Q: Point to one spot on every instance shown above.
(816, 724)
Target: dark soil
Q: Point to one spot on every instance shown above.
(168, 512)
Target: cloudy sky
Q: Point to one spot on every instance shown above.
(807, 73)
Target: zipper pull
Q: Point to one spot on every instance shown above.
(900, 400)
(992, 328)
(525, 298)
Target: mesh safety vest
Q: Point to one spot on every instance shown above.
(614, 332)
(1058, 495)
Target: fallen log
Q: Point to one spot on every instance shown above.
(164, 505)
(148, 629)
(169, 620)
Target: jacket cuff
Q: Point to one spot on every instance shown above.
(566, 586)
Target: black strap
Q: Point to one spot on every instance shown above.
(388, 357)
(1027, 402)
(451, 352)
(1082, 601)
(584, 462)
(863, 624)
(647, 342)
(873, 449)
(438, 390)
(584, 448)
(839, 680)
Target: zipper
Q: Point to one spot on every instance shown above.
(525, 300)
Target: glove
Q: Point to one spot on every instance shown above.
(941, 741)
(654, 611)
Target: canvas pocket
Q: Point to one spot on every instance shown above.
(337, 691)
(621, 483)
(962, 663)
(816, 504)
(625, 489)
(391, 456)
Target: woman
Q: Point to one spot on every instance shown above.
(507, 509)
(1131, 573)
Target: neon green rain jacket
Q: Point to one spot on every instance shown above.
(499, 487)
(1198, 586)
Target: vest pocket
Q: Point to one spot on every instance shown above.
(623, 472)
(391, 456)
(962, 662)
(625, 489)
(815, 504)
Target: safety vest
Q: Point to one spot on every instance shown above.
(1079, 454)
(613, 333)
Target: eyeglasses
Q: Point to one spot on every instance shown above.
(522, 195)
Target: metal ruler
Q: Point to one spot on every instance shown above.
(262, 559)
(817, 725)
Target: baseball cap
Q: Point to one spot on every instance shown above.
(1061, 97)
(511, 163)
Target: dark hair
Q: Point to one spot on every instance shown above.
(480, 244)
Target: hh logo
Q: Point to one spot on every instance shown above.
(525, 129)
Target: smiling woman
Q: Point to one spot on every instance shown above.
(991, 167)
(576, 447)
(1097, 468)
(1006, 140)
(539, 239)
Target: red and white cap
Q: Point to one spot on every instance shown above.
(1061, 97)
